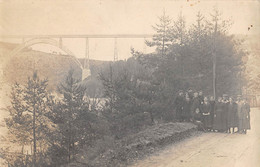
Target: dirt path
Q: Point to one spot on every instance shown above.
(212, 150)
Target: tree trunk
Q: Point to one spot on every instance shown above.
(214, 58)
(214, 75)
(34, 139)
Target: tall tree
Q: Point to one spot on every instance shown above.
(29, 106)
(162, 37)
(199, 53)
(36, 98)
(19, 121)
(73, 121)
(178, 48)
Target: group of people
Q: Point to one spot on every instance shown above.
(224, 115)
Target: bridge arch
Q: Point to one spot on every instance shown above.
(49, 41)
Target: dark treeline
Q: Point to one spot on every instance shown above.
(184, 56)
(138, 92)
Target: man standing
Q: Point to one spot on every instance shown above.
(217, 125)
(196, 106)
(240, 114)
(246, 116)
(212, 109)
(232, 115)
(186, 109)
(178, 105)
(201, 97)
(225, 113)
(206, 118)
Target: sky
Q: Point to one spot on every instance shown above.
(42, 17)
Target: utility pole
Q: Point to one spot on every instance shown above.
(199, 20)
(215, 56)
(181, 49)
(214, 74)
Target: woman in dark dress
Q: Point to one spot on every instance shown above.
(217, 125)
(178, 104)
(196, 112)
(187, 109)
(246, 116)
(212, 109)
(240, 115)
(195, 105)
(232, 120)
(224, 120)
(206, 118)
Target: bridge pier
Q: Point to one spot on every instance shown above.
(115, 51)
(86, 71)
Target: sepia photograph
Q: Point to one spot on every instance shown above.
(129, 83)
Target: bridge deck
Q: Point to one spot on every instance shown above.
(81, 36)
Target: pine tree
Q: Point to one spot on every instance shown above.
(73, 121)
(162, 38)
(179, 32)
(199, 52)
(28, 121)
(36, 98)
(19, 121)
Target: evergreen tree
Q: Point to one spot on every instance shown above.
(179, 32)
(190, 60)
(162, 38)
(73, 121)
(19, 121)
(27, 119)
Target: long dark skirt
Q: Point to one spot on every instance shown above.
(179, 114)
(217, 122)
(186, 115)
(232, 120)
(206, 119)
(247, 124)
(224, 120)
(244, 122)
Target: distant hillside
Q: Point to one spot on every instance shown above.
(51, 66)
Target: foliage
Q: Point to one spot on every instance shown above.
(130, 96)
(162, 38)
(75, 125)
(27, 121)
(139, 92)
(189, 59)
